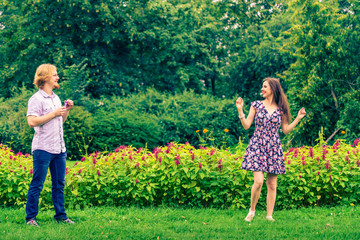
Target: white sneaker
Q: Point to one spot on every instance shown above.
(270, 218)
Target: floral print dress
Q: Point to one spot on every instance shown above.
(264, 152)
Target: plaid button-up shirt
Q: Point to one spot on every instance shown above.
(49, 136)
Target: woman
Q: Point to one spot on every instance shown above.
(264, 153)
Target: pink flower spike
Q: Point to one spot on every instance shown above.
(356, 142)
(200, 165)
(303, 161)
(311, 152)
(296, 153)
(219, 164)
(137, 181)
(177, 162)
(98, 173)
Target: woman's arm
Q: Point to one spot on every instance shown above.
(286, 127)
(245, 122)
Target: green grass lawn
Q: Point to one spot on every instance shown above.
(179, 223)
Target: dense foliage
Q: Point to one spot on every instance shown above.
(325, 79)
(148, 119)
(120, 47)
(179, 174)
(223, 48)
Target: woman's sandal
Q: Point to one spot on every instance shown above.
(250, 216)
(270, 218)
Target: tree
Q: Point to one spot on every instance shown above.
(256, 46)
(64, 33)
(175, 44)
(325, 76)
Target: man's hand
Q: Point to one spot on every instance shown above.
(69, 104)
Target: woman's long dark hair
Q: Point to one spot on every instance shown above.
(279, 97)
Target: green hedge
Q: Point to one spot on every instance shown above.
(15, 131)
(179, 174)
(146, 119)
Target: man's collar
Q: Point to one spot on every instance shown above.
(45, 95)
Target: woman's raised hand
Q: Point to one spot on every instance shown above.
(239, 103)
(301, 113)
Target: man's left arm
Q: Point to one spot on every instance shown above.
(69, 105)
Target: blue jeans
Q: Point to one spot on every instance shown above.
(42, 160)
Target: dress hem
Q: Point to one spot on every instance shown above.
(255, 170)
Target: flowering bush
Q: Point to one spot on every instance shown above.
(321, 175)
(179, 174)
(15, 176)
(172, 175)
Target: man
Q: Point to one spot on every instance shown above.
(46, 115)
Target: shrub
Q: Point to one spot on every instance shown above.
(179, 174)
(321, 175)
(15, 177)
(14, 129)
(77, 131)
(123, 127)
(178, 116)
(146, 119)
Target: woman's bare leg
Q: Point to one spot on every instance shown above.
(255, 194)
(271, 180)
(256, 189)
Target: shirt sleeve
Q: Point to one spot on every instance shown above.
(255, 104)
(34, 107)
